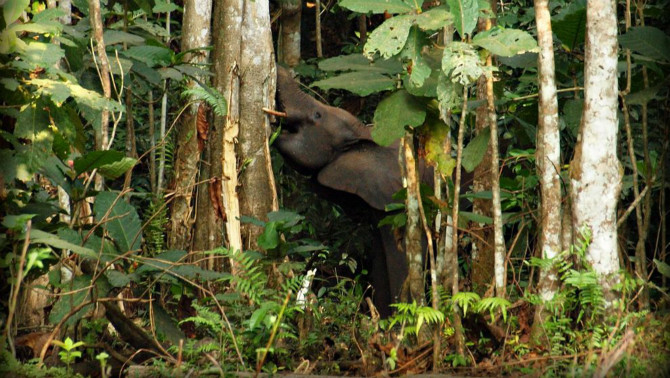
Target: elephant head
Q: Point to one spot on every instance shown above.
(335, 146)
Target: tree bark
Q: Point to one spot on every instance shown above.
(548, 155)
(195, 34)
(291, 12)
(258, 194)
(483, 259)
(595, 171)
(413, 227)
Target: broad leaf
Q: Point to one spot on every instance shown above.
(117, 168)
(435, 152)
(419, 71)
(42, 54)
(358, 62)
(474, 152)
(12, 9)
(360, 83)
(394, 113)
(113, 37)
(122, 221)
(466, 13)
(96, 159)
(570, 25)
(389, 38)
(377, 6)
(462, 64)
(506, 42)
(434, 19)
(648, 41)
(38, 236)
(152, 56)
(67, 302)
(32, 124)
(269, 239)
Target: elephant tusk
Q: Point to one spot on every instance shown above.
(275, 113)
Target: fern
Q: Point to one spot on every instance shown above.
(211, 96)
(465, 299)
(492, 304)
(154, 233)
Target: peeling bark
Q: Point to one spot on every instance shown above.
(195, 34)
(289, 52)
(413, 227)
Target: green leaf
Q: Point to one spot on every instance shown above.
(12, 9)
(122, 223)
(570, 25)
(420, 71)
(32, 124)
(38, 236)
(42, 54)
(394, 113)
(465, 14)
(506, 42)
(17, 223)
(358, 62)
(389, 38)
(116, 278)
(648, 41)
(377, 6)
(117, 168)
(164, 7)
(96, 159)
(645, 95)
(462, 64)
(65, 303)
(152, 56)
(468, 216)
(113, 37)
(474, 152)
(360, 83)
(438, 132)
(525, 60)
(62, 90)
(662, 267)
(434, 19)
(269, 239)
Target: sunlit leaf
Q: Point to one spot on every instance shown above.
(394, 113)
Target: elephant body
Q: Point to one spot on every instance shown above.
(337, 150)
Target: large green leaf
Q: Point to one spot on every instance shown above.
(122, 223)
(412, 51)
(12, 9)
(360, 83)
(117, 168)
(506, 42)
(648, 41)
(570, 25)
(474, 152)
(389, 38)
(377, 6)
(42, 54)
(394, 113)
(466, 13)
(38, 236)
(59, 91)
(67, 302)
(438, 132)
(434, 18)
(462, 64)
(151, 55)
(358, 62)
(32, 124)
(96, 159)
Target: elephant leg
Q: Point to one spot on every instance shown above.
(379, 278)
(396, 264)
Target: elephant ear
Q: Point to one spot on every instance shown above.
(370, 172)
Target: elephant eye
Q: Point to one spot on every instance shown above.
(317, 115)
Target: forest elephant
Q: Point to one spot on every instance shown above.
(336, 149)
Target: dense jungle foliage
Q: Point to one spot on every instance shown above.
(75, 246)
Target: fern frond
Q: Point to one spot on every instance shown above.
(211, 96)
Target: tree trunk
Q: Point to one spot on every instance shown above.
(413, 227)
(548, 155)
(195, 34)
(258, 194)
(595, 172)
(483, 259)
(244, 73)
(289, 52)
(228, 16)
